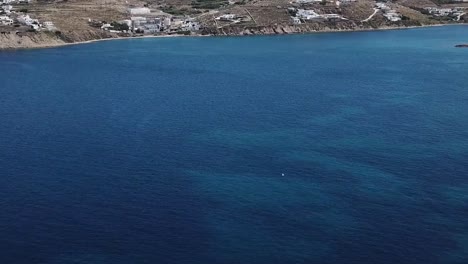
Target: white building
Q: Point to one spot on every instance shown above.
(137, 22)
(392, 16)
(388, 13)
(139, 11)
(441, 12)
(152, 27)
(226, 17)
(308, 14)
(6, 21)
(190, 25)
(382, 6)
(7, 8)
(332, 16)
(106, 26)
(27, 20)
(296, 21)
(49, 25)
(167, 22)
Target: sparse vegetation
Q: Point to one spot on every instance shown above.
(208, 4)
(120, 26)
(82, 20)
(180, 11)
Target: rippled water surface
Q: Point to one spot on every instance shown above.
(334, 148)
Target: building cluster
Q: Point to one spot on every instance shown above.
(388, 12)
(6, 20)
(454, 13)
(302, 15)
(9, 16)
(142, 21)
(5, 13)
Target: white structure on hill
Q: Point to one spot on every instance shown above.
(226, 17)
(6, 21)
(388, 13)
(28, 21)
(7, 9)
(307, 14)
(49, 25)
(139, 11)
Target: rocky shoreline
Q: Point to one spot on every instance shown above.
(348, 26)
(11, 40)
(31, 40)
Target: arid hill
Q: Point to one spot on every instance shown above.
(84, 20)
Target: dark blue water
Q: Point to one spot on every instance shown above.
(172, 150)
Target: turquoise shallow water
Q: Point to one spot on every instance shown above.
(173, 150)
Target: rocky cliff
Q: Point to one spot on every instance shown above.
(304, 28)
(12, 40)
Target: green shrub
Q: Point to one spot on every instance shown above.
(120, 26)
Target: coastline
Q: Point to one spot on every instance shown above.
(65, 44)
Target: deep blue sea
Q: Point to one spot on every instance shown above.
(333, 148)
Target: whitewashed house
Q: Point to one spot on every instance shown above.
(190, 25)
(308, 15)
(7, 9)
(49, 25)
(138, 22)
(226, 17)
(139, 11)
(167, 22)
(296, 20)
(6, 21)
(28, 21)
(106, 26)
